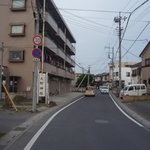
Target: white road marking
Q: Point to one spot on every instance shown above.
(126, 113)
(35, 137)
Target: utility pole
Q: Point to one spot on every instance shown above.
(112, 67)
(1, 67)
(88, 84)
(36, 63)
(43, 35)
(118, 20)
(112, 63)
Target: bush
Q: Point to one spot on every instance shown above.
(18, 99)
(52, 104)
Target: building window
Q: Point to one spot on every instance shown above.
(17, 30)
(149, 81)
(18, 4)
(127, 74)
(145, 82)
(117, 74)
(134, 73)
(16, 56)
(147, 62)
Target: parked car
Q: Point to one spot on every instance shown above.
(134, 90)
(90, 91)
(104, 89)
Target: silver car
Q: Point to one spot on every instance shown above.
(104, 89)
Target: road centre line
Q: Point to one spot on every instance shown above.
(133, 120)
(35, 137)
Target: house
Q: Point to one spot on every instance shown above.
(102, 79)
(145, 68)
(126, 73)
(18, 27)
(136, 73)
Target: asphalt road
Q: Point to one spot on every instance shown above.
(92, 123)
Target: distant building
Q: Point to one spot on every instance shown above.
(145, 70)
(126, 73)
(136, 73)
(102, 79)
(17, 30)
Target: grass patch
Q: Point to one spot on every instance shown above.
(19, 99)
(52, 104)
(135, 100)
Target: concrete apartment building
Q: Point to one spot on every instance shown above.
(17, 30)
(145, 68)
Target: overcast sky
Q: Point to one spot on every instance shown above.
(96, 31)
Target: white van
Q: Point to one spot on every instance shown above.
(134, 90)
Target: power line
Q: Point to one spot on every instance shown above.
(136, 39)
(133, 5)
(85, 26)
(91, 10)
(89, 21)
(128, 22)
(130, 52)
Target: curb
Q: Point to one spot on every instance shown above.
(7, 140)
(132, 113)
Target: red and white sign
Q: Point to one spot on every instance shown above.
(37, 40)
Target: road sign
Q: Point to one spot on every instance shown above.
(37, 40)
(36, 59)
(36, 52)
(42, 85)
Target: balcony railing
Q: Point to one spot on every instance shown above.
(69, 44)
(61, 54)
(51, 21)
(70, 61)
(61, 34)
(58, 71)
(51, 45)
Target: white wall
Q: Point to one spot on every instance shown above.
(124, 77)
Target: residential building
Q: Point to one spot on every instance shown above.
(136, 73)
(102, 79)
(17, 31)
(145, 70)
(126, 73)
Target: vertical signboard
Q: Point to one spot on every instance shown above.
(42, 85)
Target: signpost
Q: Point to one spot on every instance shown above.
(36, 52)
(37, 40)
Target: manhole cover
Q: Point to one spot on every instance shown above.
(102, 121)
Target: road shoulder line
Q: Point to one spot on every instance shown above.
(35, 137)
(129, 117)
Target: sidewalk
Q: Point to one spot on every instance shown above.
(139, 110)
(13, 124)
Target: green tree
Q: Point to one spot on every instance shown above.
(85, 81)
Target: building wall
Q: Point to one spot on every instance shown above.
(124, 70)
(146, 69)
(25, 69)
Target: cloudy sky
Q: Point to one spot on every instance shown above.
(92, 24)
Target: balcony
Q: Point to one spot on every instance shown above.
(51, 69)
(61, 54)
(70, 61)
(61, 34)
(51, 21)
(72, 48)
(70, 75)
(51, 45)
